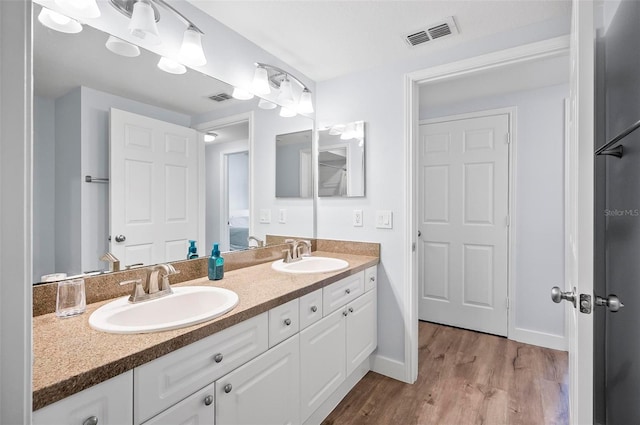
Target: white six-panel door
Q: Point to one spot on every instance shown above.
(153, 189)
(463, 221)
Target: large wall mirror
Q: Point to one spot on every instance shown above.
(341, 160)
(82, 92)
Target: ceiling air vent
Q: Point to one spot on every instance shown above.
(220, 97)
(438, 30)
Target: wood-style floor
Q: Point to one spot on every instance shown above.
(464, 378)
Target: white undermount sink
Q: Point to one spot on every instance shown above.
(310, 265)
(187, 306)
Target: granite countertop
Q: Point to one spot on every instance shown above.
(69, 356)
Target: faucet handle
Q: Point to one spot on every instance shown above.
(138, 290)
(286, 256)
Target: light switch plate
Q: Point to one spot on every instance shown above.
(384, 219)
(265, 216)
(282, 216)
(357, 218)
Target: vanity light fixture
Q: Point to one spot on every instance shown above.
(122, 48)
(305, 105)
(241, 94)
(286, 92)
(143, 22)
(210, 137)
(191, 52)
(265, 104)
(59, 22)
(260, 83)
(171, 66)
(278, 79)
(287, 113)
(80, 8)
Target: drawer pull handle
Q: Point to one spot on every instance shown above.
(345, 314)
(350, 309)
(228, 388)
(92, 420)
(314, 308)
(218, 358)
(348, 291)
(208, 400)
(372, 278)
(287, 322)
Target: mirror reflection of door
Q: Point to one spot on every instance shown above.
(332, 171)
(227, 187)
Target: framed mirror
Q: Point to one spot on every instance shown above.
(341, 160)
(77, 81)
(294, 168)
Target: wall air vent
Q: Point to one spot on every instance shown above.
(440, 29)
(220, 97)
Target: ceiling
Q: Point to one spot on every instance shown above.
(325, 39)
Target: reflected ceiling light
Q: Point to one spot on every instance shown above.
(58, 22)
(265, 104)
(305, 105)
(260, 83)
(191, 52)
(80, 8)
(349, 132)
(122, 48)
(287, 113)
(210, 137)
(286, 92)
(143, 22)
(241, 94)
(171, 66)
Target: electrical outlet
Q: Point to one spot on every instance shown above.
(282, 216)
(357, 218)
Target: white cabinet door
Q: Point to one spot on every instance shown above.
(362, 329)
(197, 409)
(109, 402)
(264, 391)
(322, 361)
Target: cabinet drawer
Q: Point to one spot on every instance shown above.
(370, 278)
(310, 308)
(195, 409)
(338, 294)
(283, 322)
(109, 401)
(169, 379)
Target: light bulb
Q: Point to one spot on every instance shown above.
(171, 66)
(210, 137)
(241, 94)
(260, 83)
(80, 8)
(287, 113)
(143, 23)
(305, 106)
(265, 104)
(191, 52)
(122, 48)
(286, 93)
(58, 22)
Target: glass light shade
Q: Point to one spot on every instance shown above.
(286, 93)
(305, 106)
(143, 23)
(260, 83)
(336, 130)
(122, 48)
(349, 132)
(241, 94)
(210, 137)
(287, 113)
(265, 104)
(58, 22)
(80, 8)
(191, 52)
(171, 66)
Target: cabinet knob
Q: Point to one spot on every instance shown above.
(314, 308)
(218, 358)
(228, 388)
(348, 291)
(345, 314)
(92, 420)
(372, 278)
(350, 309)
(287, 322)
(208, 400)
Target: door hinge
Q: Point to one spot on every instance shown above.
(507, 220)
(413, 247)
(508, 138)
(507, 303)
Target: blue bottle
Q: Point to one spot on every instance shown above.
(216, 264)
(193, 251)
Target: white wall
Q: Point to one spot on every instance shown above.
(377, 97)
(539, 215)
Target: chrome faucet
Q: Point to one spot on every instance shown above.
(259, 242)
(297, 250)
(153, 287)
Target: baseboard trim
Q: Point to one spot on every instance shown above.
(541, 339)
(389, 367)
(334, 399)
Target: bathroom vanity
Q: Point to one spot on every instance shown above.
(288, 353)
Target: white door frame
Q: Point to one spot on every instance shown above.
(558, 46)
(511, 113)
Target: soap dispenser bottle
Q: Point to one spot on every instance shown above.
(193, 251)
(216, 264)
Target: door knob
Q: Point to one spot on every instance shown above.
(612, 302)
(557, 295)
(121, 238)
(419, 233)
